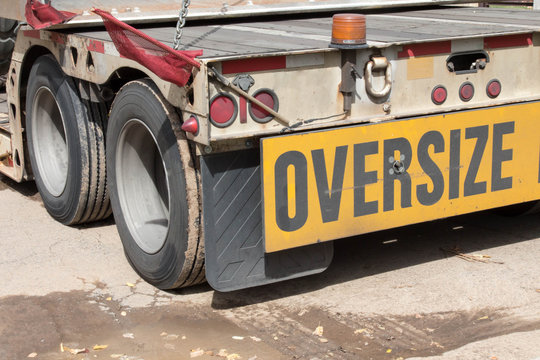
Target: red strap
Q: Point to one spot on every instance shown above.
(41, 16)
(169, 64)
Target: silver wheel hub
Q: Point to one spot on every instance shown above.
(142, 185)
(50, 142)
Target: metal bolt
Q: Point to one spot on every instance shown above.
(249, 143)
(386, 107)
(207, 149)
(399, 168)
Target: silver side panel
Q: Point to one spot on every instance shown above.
(144, 11)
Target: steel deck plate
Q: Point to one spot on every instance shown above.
(304, 34)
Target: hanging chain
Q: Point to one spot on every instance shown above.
(181, 23)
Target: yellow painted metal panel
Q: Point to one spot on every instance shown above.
(326, 185)
(420, 68)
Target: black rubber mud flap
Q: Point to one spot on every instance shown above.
(233, 228)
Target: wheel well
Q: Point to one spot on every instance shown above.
(122, 76)
(29, 59)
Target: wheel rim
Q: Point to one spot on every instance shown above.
(50, 142)
(142, 185)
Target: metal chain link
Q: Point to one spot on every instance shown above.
(181, 23)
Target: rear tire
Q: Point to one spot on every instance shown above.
(66, 146)
(154, 188)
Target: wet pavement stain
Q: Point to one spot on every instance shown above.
(79, 320)
(418, 335)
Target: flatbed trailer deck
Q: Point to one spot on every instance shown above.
(267, 36)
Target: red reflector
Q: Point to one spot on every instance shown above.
(223, 110)
(268, 98)
(466, 91)
(191, 125)
(438, 95)
(493, 88)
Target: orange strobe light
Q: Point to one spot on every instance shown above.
(348, 31)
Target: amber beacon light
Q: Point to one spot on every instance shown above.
(348, 31)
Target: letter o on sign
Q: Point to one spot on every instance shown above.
(298, 161)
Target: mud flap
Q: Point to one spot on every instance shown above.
(233, 228)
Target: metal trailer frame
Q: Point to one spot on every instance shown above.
(407, 39)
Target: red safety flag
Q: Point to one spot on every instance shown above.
(40, 16)
(169, 64)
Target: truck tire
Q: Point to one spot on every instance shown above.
(8, 32)
(154, 188)
(66, 146)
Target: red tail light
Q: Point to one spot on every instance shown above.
(268, 98)
(438, 95)
(466, 91)
(191, 125)
(493, 88)
(223, 110)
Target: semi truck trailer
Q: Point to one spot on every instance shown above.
(235, 141)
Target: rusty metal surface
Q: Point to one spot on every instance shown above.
(167, 10)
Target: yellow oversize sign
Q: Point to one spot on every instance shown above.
(326, 185)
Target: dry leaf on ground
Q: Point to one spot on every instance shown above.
(318, 331)
(196, 353)
(222, 353)
(100, 347)
(32, 355)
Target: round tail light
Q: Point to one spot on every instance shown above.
(493, 88)
(466, 91)
(268, 98)
(223, 110)
(439, 94)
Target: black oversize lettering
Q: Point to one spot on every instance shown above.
(329, 200)
(455, 164)
(501, 155)
(430, 168)
(390, 165)
(363, 178)
(480, 133)
(299, 162)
